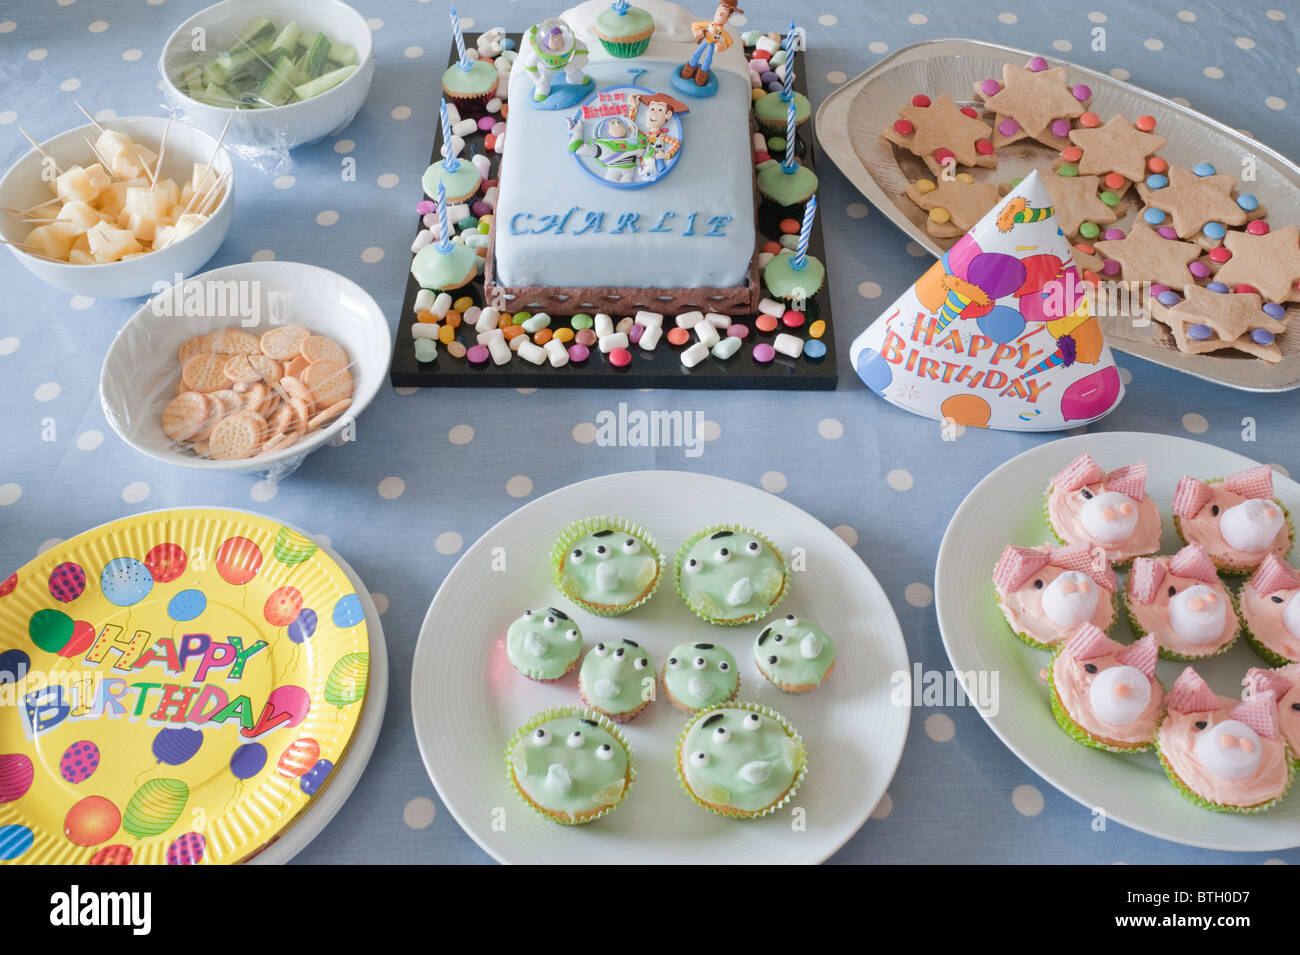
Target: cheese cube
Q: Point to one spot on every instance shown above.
(109, 244)
(75, 186)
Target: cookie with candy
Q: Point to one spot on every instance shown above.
(1109, 509)
(1104, 694)
(1181, 601)
(1047, 592)
(1236, 519)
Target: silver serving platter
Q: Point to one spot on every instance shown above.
(849, 122)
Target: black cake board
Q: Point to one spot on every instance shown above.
(660, 368)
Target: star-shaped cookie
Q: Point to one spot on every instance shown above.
(942, 125)
(1034, 99)
(1229, 317)
(964, 201)
(1194, 200)
(1269, 263)
(1144, 255)
(1118, 146)
(1076, 201)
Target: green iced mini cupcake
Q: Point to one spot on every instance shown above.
(570, 765)
(741, 760)
(618, 679)
(544, 644)
(606, 565)
(772, 112)
(730, 575)
(624, 30)
(470, 89)
(697, 675)
(794, 655)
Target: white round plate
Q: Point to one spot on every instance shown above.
(467, 699)
(1007, 508)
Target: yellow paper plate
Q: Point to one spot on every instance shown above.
(174, 687)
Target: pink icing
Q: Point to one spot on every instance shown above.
(1073, 682)
(1177, 739)
(1153, 615)
(1263, 615)
(1288, 717)
(1023, 608)
(1063, 511)
(1200, 525)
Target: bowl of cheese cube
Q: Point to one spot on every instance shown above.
(94, 212)
(280, 72)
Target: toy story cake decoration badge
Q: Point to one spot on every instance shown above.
(627, 136)
(554, 59)
(999, 333)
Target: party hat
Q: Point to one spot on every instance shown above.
(998, 333)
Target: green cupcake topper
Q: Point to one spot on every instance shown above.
(730, 575)
(617, 677)
(697, 675)
(570, 764)
(607, 565)
(544, 643)
(794, 653)
(743, 759)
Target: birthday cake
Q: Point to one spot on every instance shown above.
(624, 183)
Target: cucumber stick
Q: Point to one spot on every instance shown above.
(257, 30)
(314, 63)
(343, 55)
(288, 38)
(326, 82)
(277, 88)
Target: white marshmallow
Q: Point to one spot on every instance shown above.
(650, 319)
(718, 320)
(441, 304)
(651, 337)
(422, 238)
(1198, 614)
(1229, 750)
(694, 355)
(771, 307)
(424, 330)
(453, 114)
(689, 320)
(610, 342)
(1070, 599)
(789, 345)
(1120, 694)
(1109, 517)
(423, 300)
(1291, 616)
(557, 353)
(494, 104)
(482, 164)
(487, 337)
(531, 352)
(499, 350)
(487, 320)
(1251, 525)
(466, 127)
(708, 333)
(603, 325)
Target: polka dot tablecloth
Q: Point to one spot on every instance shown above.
(430, 471)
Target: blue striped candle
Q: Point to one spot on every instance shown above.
(800, 258)
(621, 6)
(460, 41)
(790, 136)
(787, 81)
(444, 238)
(449, 160)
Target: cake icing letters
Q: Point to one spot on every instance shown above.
(579, 221)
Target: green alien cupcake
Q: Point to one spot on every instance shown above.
(730, 575)
(697, 675)
(544, 644)
(624, 30)
(618, 679)
(741, 760)
(795, 655)
(606, 565)
(570, 765)
(470, 88)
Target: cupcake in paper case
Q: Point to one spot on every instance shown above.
(544, 644)
(794, 654)
(617, 678)
(606, 565)
(1182, 602)
(1284, 685)
(1269, 604)
(1047, 592)
(570, 765)
(1237, 519)
(1111, 510)
(730, 575)
(470, 89)
(741, 760)
(698, 675)
(624, 30)
(1223, 754)
(1105, 694)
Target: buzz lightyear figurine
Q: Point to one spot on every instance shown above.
(550, 48)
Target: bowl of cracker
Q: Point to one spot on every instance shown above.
(247, 368)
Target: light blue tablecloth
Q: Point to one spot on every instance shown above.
(959, 795)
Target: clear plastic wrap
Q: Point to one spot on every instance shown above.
(246, 368)
(281, 73)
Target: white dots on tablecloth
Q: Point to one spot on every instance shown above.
(1195, 423)
(739, 20)
(8, 26)
(401, 112)
(857, 210)
(132, 55)
(836, 77)
(1097, 16)
(1275, 102)
(70, 85)
(79, 303)
(413, 52)
(263, 491)
(372, 254)
(377, 24)
(1276, 862)
(1027, 800)
(47, 391)
(105, 114)
(883, 808)
(899, 479)
(1120, 73)
(1275, 15)
(135, 492)
(710, 430)
(284, 182)
(448, 542)
(263, 255)
(461, 434)
(344, 146)
(7, 116)
(828, 19)
(380, 602)
(1154, 44)
(1180, 100)
(89, 440)
(917, 19)
(774, 482)
(391, 488)
(419, 813)
(878, 46)
(918, 594)
(9, 493)
(870, 290)
(519, 486)
(1007, 18)
(1064, 46)
(467, 23)
(9, 345)
(1187, 16)
(38, 54)
(50, 544)
(830, 428)
(1213, 72)
(846, 533)
(327, 217)
(1125, 376)
(405, 391)
(915, 250)
(940, 727)
(99, 26)
(530, 391)
(387, 180)
(1245, 43)
(584, 432)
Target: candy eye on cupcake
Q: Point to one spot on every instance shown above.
(729, 575)
(697, 675)
(1270, 611)
(1112, 510)
(1046, 592)
(606, 565)
(544, 644)
(1182, 602)
(1237, 520)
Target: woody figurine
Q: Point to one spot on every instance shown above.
(709, 35)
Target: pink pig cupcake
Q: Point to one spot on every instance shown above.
(1047, 592)
(1237, 520)
(1223, 754)
(1181, 601)
(1105, 694)
(1284, 684)
(1113, 511)
(1270, 611)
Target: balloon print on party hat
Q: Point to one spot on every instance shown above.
(998, 333)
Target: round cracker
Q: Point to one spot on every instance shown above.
(329, 382)
(229, 401)
(296, 366)
(255, 396)
(333, 411)
(301, 414)
(238, 368)
(293, 388)
(281, 419)
(283, 343)
(205, 372)
(319, 348)
(192, 346)
(237, 436)
(270, 369)
(233, 341)
(185, 415)
(279, 442)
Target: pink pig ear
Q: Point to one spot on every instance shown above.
(1273, 575)
(1260, 714)
(1190, 496)
(1018, 564)
(1253, 482)
(1261, 680)
(1082, 470)
(1144, 581)
(1141, 655)
(1087, 559)
(1191, 694)
(1192, 561)
(1089, 642)
(1130, 480)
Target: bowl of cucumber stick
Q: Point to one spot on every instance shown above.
(280, 72)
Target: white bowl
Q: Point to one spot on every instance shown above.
(275, 127)
(141, 369)
(23, 187)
